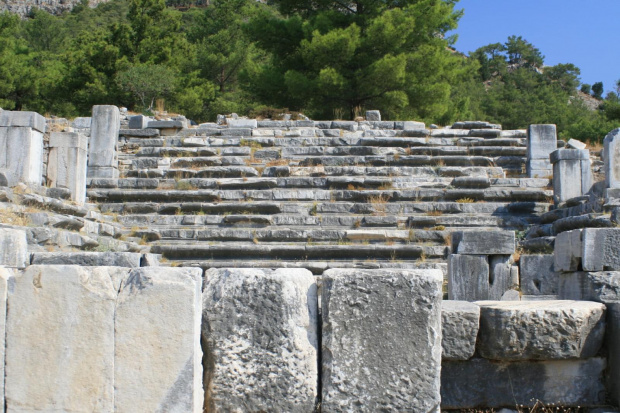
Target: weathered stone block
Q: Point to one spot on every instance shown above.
(501, 277)
(13, 248)
(546, 330)
(157, 354)
(102, 158)
(572, 175)
(373, 116)
(409, 125)
(66, 167)
(6, 278)
(139, 122)
(568, 251)
(601, 286)
(575, 144)
(613, 346)
(541, 141)
(460, 321)
(96, 259)
(22, 119)
(480, 382)
(60, 340)
(81, 122)
(242, 123)
(483, 242)
(612, 159)
(600, 249)
(537, 275)
(260, 336)
(21, 152)
(468, 277)
(381, 340)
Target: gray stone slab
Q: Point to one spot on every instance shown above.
(568, 250)
(603, 286)
(13, 248)
(572, 175)
(138, 122)
(468, 277)
(501, 277)
(381, 340)
(600, 249)
(102, 157)
(260, 337)
(545, 330)
(60, 339)
(483, 242)
(613, 346)
(611, 157)
(157, 353)
(108, 259)
(537, 275)
(480, 382)
(373, 116)
(460, 321)
(22, 119)
(569, 155)
(139, 133)
(541, 141)
(21, 152)
(81, 122)
(66, 166)
(242, 123)
(6, 279)
(166, 124)
(575, 144)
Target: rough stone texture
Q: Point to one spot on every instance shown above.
(601, 286)
(109, 259)
(541, 141)
(612, 159)
(81, 122)
(24, 7)
(547, 330)
(568, 251)
(21, 152)
(60, 340)
(138, 122)
(102, 158)
(157, 359)
(373, 116)
(362, 369)
(601, 249)
(32, 120)
(537, 275)
(13, 248)
(572, 174)
(480, 382)
(260, 338)
(468, 277)
(6, 278)
(460, 321)
(483, 242)
(501, 277)
(242, 123)
(613, 345)
(66, 167)
(575, 144)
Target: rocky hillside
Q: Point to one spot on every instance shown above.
(23, 7)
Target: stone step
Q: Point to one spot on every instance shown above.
(375, 197)
(297, 251)
(317, 267)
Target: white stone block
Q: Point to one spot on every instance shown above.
(14, 248)
(260, 334)
(66, 167)
(103, 140)
(21, 151)
(600, 249)
(6, 278)
(612, 159)
(33, 120)
(468, 277)
(60, 340)
(568, 250)
(483, 242)
(242, 123)
(575, 144)
(460, 321)
(541, 141)
(157, 353)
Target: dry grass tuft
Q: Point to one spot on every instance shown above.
(465, 201)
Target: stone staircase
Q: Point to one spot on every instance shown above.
(317, 195)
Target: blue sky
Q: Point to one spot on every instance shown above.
(583, 32)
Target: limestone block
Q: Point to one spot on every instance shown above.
(242, 123)
(109, 259)
(66, 167)
(601, 286)
(139, 122)
(14, 248)
(174, 125)
(601, 249)
(612, 159)
(7, 178)
(546, 330)
(32, 120)
(483, 242)
(575, 144)
(480, 382)
(6, 278)
(568, 250)
(409, 125)
(500, 276)
(537, 275)
(468, 277)
(460, 321)
(157, 354)
(102, 157)
(260, 335)
(21, 151)
(613, 344)
(572, 175)
(541, 141)
(60, 339)
(381, 340)
(81, 122)
(373, 116)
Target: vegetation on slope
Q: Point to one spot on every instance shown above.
(326, 58)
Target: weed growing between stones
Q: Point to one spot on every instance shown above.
(465, 201)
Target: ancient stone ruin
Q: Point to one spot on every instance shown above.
(298, 266)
